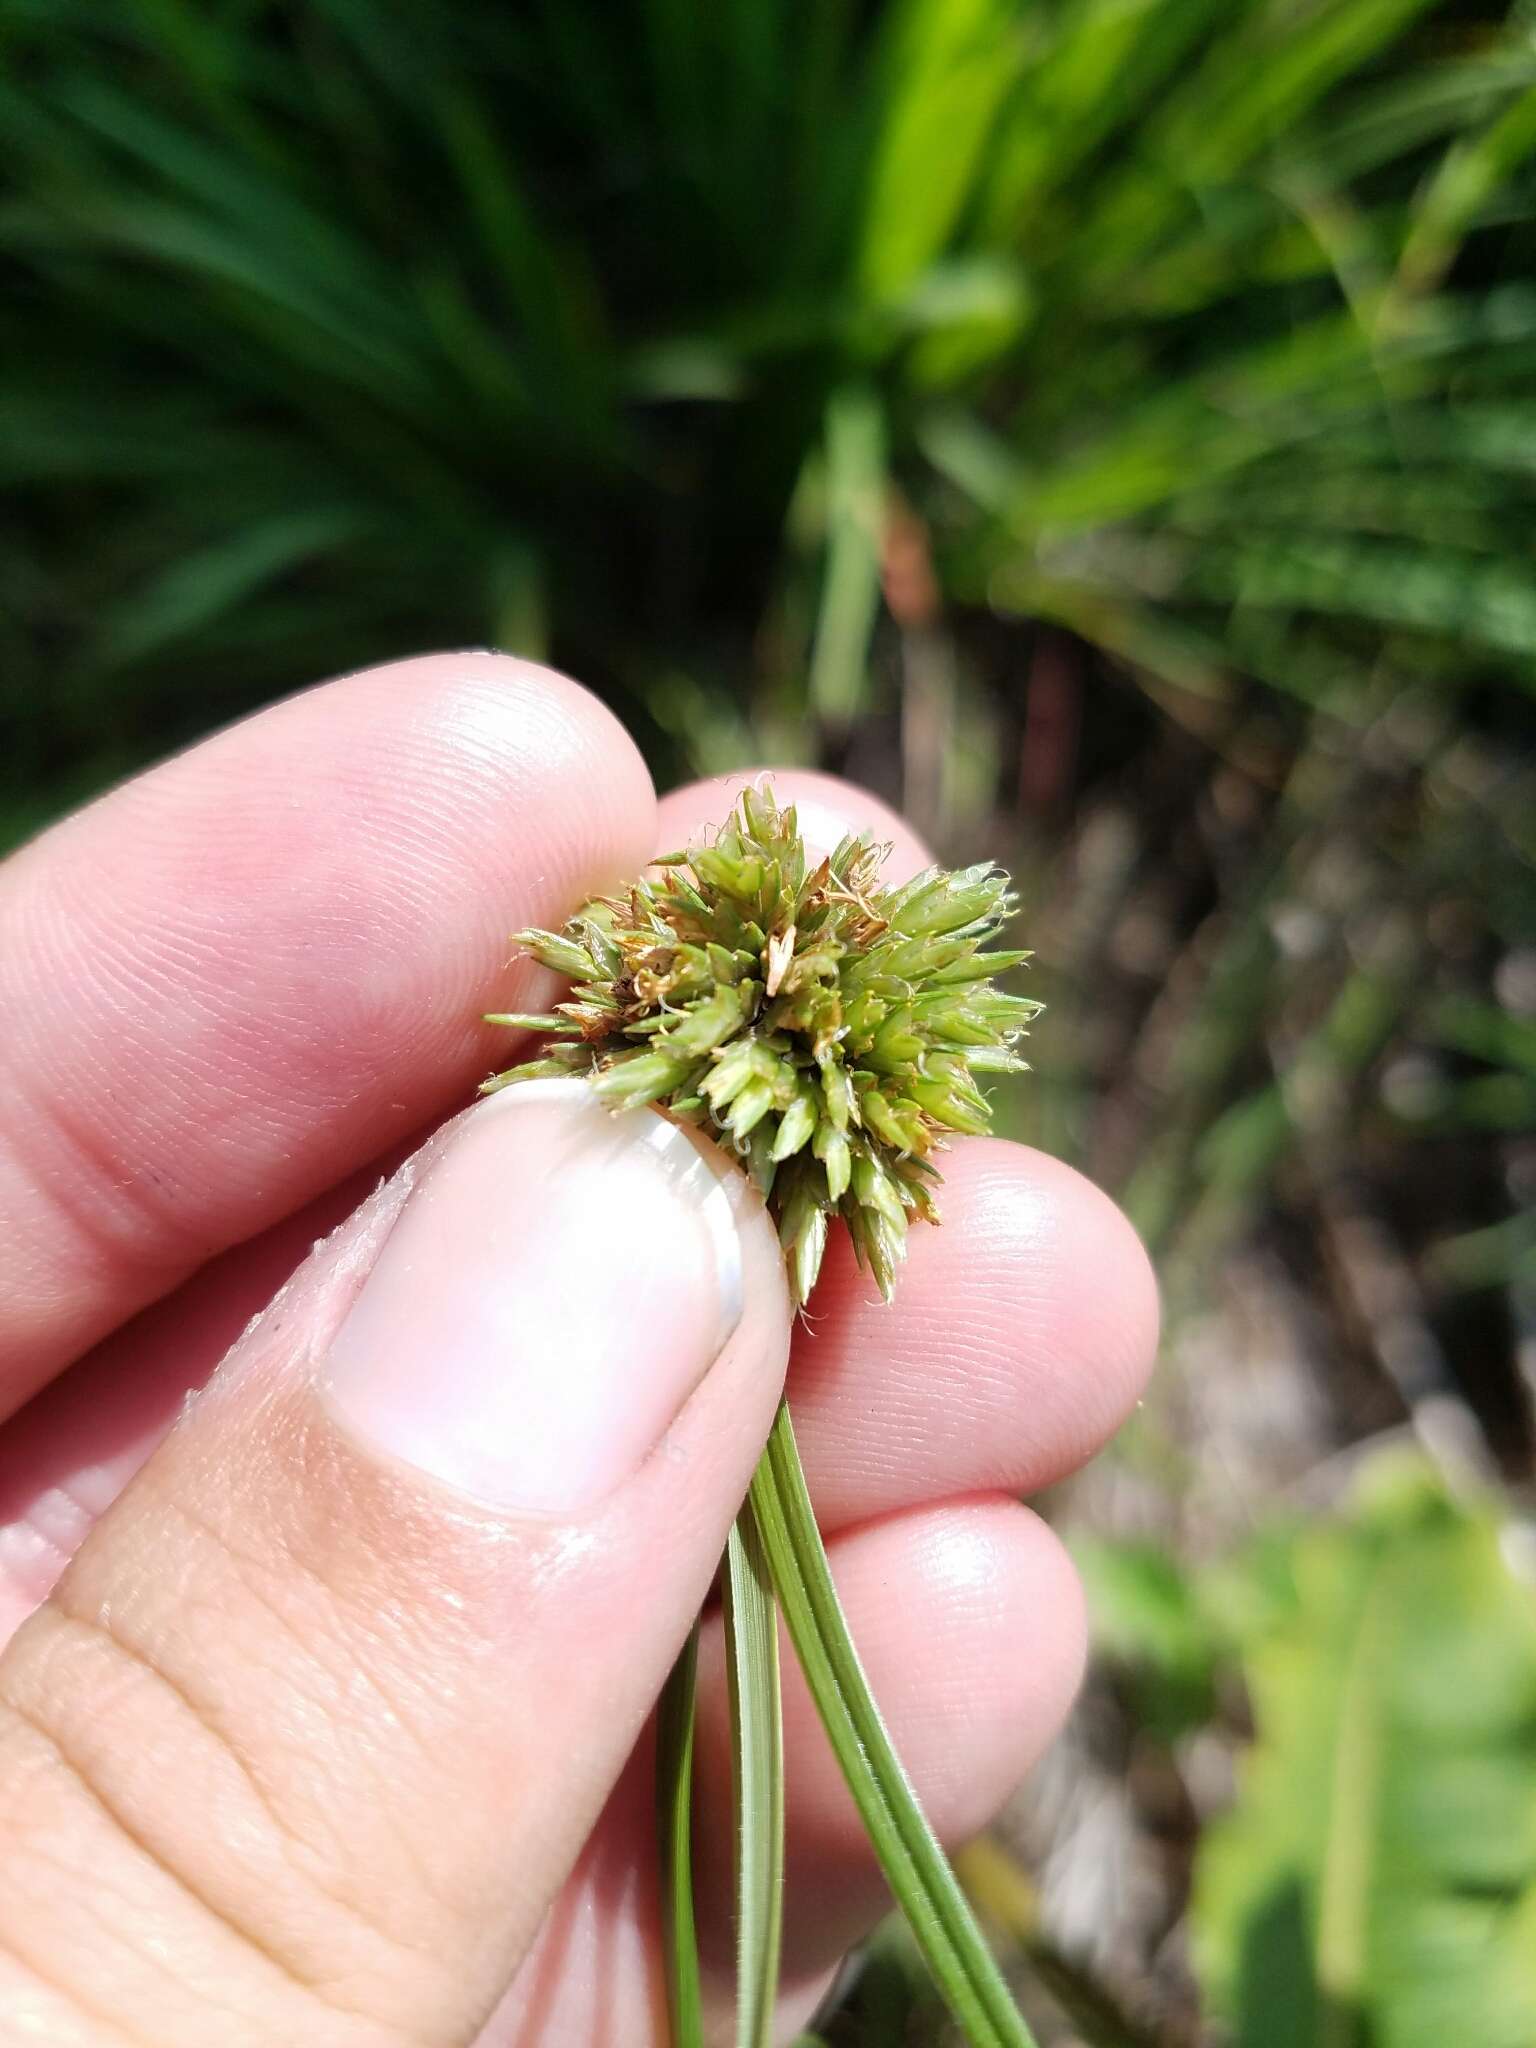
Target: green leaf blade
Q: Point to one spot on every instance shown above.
(757, 1769)
(674, 1828)
(915, 1866)
(1376, 1877)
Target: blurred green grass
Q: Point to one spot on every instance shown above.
(1203, 331)
(1106, 426)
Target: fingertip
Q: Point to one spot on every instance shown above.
(1020, 1338)
(482, 708)
(259, 964)
(979, 1659)
(1042, 1601)
(1061, 1258)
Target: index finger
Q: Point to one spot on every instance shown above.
(254, 968)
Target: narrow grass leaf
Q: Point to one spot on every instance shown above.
(850, 594)
(915, 1866)
(674, 1826)
(757, 1760)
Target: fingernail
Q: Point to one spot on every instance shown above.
(549, 1297)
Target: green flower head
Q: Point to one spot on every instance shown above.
(828, 1028)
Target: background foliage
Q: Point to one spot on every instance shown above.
(1108, 427)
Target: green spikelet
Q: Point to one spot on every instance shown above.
(826, 1028)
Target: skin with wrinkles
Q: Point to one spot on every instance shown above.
(268, 1770)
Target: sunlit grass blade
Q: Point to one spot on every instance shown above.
(674, 1826)
(850, 598)
(915, 1866)
(757, 1765)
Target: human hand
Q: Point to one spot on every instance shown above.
(334, 1730)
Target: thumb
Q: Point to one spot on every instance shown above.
(312, 1730)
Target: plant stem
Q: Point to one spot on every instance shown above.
(751, 1618)
(915, 1866)
(674, 1823)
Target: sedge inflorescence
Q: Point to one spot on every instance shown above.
(827, 1027)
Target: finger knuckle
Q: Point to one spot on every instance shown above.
(133, 1800)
